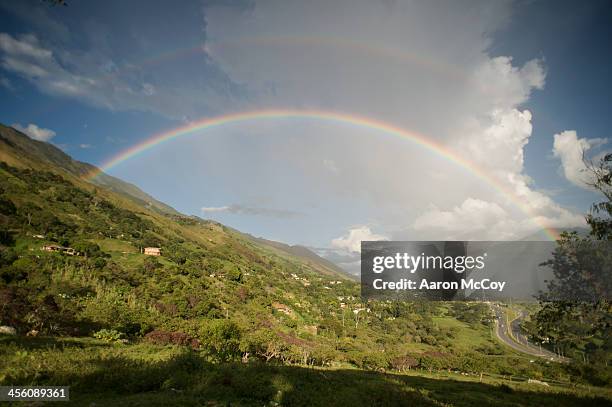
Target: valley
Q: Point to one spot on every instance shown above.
(221, 316)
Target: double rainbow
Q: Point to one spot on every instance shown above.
(363, 122)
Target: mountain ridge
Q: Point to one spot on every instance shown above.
(36, 152)
(33, 153)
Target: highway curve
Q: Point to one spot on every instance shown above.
(524, 346)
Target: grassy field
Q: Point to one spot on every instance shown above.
(144, 375)
(467, 337)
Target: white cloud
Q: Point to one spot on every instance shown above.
(572, 151)
(35, 132)
(213, 209)
(27, 46)
(351, 242)
(497, 141)
(504, 84)
(473, 214)
(93, 77)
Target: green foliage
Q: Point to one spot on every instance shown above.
(234, 274)
(7, 207)
(151, 264)
(6, 238)
(221, 338)
(471, 313)
(151, 375)
(108, 335)
(88, 249)
(119, 312)
(600, 218)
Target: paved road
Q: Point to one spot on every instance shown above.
(518, 341)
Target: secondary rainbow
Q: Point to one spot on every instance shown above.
(359, 121)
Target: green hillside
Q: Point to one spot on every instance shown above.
(181, 324)
(23, 151)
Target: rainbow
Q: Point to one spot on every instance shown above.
(339, 44)
(390, 53)
(358, 121)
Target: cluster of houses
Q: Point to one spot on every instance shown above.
(304, 280)
(149, 251)
(61, 249)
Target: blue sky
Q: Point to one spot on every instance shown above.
(573, 39)
(494, 81)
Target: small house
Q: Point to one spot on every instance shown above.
(52, 248)
(65, 250)
(282, 308)
(152, 251)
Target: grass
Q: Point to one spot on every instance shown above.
(145, 375)
(467, 337)
(115, 246)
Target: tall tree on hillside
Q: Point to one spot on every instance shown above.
(600, 218)
(576, 314)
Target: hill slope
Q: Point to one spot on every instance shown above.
(48, 203)
(19, 149)
(306, 255)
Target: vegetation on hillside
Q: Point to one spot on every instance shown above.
(229, 298)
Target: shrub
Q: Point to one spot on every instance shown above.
(159, 337)
(112, 310)
(108, 335)
(221, 338)
(403, 363)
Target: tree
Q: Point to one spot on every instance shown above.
(601, 226)
(576, 315)
(150, 264)
(88, 249)
(221, 338)
(7, 207)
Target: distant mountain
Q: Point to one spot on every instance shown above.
(307, 255)
(19, 149)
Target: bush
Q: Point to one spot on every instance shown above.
(112, 311)
(403, 363)
(108, 335)
(171, 338)
(221, 338)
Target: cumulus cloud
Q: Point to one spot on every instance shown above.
(236, 209)
(505, 84)
(572, 151)
(472, 214)
(35, 132)
(351, 242)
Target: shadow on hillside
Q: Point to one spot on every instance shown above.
(43, 342)
(189, 380)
